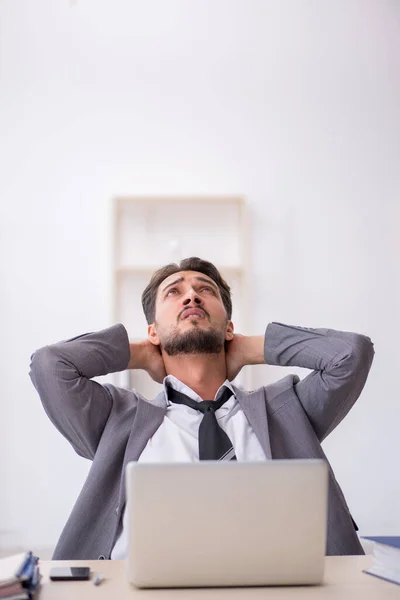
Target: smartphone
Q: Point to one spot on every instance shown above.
(70, 573)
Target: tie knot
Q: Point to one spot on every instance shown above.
(207, 406)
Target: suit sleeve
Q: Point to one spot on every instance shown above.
(62, 373)
(340, 363)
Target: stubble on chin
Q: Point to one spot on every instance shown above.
(194, 341)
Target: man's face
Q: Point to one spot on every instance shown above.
(190, 315)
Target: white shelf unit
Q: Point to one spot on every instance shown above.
(150, 232)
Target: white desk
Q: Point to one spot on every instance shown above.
(344, 580)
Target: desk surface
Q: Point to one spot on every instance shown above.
(343, 580)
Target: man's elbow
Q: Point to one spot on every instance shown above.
(363, 351)
(40, 363)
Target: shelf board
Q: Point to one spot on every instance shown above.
(129, 201)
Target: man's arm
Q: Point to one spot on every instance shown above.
(340, 361)
(62, 372)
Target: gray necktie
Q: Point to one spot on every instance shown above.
(214, 443)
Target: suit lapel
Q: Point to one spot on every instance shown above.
(148, 419)
(253, 406)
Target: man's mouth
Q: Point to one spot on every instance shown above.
(193, 313)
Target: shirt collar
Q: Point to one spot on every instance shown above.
(174, 382)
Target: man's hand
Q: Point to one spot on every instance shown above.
(243, 350)
(147, 356)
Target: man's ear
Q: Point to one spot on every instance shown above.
(152, 334)
(229, 331)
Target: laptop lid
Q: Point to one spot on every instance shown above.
(216, 523)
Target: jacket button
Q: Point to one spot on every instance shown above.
(101, 557)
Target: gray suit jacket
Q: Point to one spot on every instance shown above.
(111, 426)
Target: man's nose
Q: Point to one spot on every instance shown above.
(192, 296)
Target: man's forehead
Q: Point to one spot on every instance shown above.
(185, 276)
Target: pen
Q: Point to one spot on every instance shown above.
(97, 579)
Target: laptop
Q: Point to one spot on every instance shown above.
(226, 523)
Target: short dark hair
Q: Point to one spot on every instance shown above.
(187, 264)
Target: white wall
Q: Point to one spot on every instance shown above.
(293, 103)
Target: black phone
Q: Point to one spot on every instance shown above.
(70, 573)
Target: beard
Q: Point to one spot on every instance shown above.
(194, 341)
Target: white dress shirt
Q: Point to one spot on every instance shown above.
(176, 440)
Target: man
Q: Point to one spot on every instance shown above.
(199, 415)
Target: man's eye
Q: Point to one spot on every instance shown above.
(206, 287)
(171, 290)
